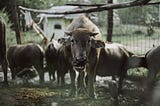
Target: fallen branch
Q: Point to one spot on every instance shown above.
(93, 9)
(40, 32)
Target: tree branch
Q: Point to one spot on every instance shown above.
(102, 4)
(93, 9)
(143, 2)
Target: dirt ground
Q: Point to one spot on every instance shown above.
(49, 94)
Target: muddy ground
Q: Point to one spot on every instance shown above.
(49, 94)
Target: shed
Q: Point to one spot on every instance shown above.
(56, 24)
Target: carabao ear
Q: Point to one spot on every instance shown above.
(64, 41)
(97, 43)
(93, 34)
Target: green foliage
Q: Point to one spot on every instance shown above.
(138, 15)
(137, 72)
(10, 34)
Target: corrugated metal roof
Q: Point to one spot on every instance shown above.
(62, 8)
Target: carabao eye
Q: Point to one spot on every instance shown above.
(72, 41)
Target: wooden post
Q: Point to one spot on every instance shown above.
(16, 22)
(159, 13)
(110, 23)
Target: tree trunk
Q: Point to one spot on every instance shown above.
(110, 23)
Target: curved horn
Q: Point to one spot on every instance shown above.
(68, 33)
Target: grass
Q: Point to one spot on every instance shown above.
(31, 36)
